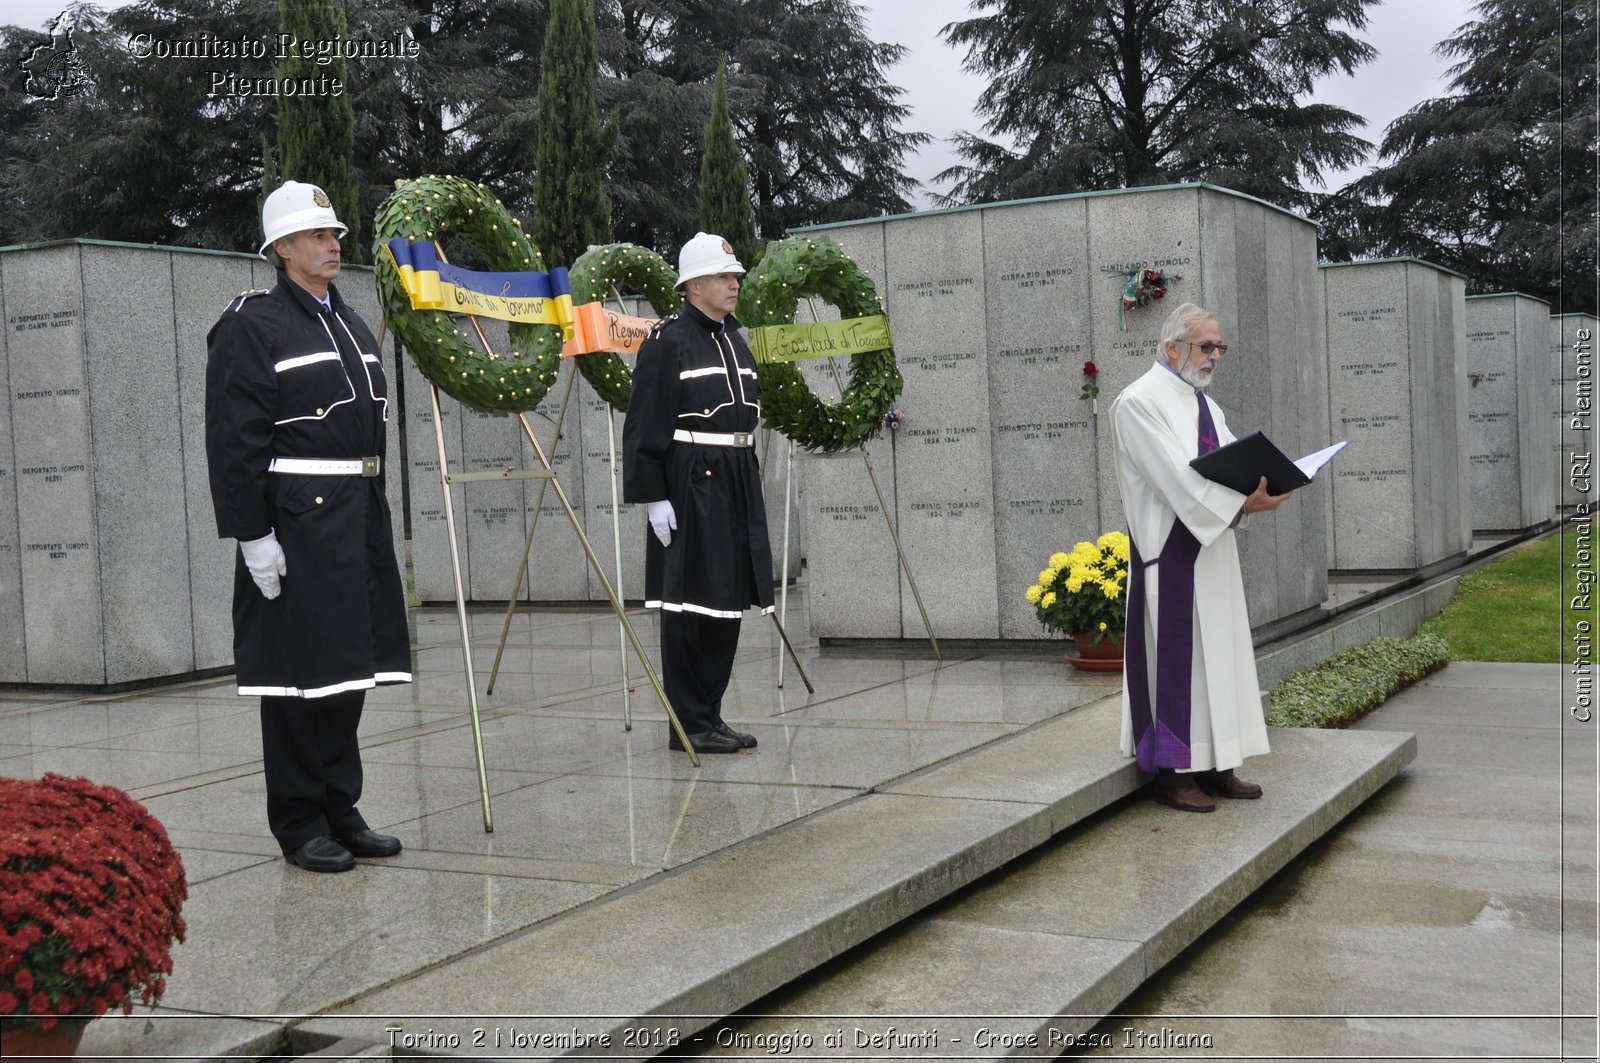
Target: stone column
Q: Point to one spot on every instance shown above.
(1509, 402)
(1397, 392)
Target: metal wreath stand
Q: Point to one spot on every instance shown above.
(546, 475)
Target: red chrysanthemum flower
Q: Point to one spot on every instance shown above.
(90, 891)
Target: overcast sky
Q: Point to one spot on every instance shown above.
(941, 95)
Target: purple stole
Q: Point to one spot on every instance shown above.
(1161, 737)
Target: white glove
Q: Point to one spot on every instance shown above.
(264, 558)
(663, 520)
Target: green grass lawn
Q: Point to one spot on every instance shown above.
(1519, 608)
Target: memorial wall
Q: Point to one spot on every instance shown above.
(1511, 442)
(111, 571)
(995, 311)
(1396, 348)
(1572, 338)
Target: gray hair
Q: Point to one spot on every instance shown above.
(272, 257)
(1176, 328)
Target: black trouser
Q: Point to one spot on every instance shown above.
(696, 661)
(313, 762)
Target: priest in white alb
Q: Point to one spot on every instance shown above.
(1191, 703)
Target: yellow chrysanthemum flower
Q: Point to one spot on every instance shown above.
(1074, 582)
(1103, 625)
(1048, 600)
(1121, 546)
(1059, 561)
(1111, 590)
(1033, 593)
(1047, 576)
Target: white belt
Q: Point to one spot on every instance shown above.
(328, 466)
(716, 439)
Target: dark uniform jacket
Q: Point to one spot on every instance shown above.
(286, 378)
(698, 375)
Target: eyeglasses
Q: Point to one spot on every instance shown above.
(1208, 348)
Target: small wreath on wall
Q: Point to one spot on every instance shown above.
(424, 208)
(817, 266)
(621, 267)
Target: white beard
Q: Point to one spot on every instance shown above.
(1197, 377)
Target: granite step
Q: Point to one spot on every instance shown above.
(659, 967)
(698, 943)
(1040, 951)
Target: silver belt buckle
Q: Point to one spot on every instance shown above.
(369, 467)
(741, 439)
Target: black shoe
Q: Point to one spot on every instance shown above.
(706, 742)
(322, 853)
(748, 741)
(371, 843)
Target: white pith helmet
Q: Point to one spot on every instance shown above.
(294, 207)
(705, 255)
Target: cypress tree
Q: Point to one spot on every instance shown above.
(317, 134)
(570, 206)
(269, 171)
(724, 181)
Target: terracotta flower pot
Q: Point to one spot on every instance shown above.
(27, 1045)
(1102, 656)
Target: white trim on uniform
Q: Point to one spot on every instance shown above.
(305, 359)
(365, 358)
(687, 607)
(311, 359)
(732, 374)
(690, 607)
(322, 692)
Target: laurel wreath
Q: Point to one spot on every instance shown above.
(424, 208)
(817, 266)
(620, 267)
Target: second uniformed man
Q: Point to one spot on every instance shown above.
(688, 449)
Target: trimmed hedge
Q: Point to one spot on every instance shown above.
(1347, 686)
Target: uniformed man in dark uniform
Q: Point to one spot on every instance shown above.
(296, 404)
(688, 448)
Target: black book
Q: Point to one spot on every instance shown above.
(1242, 463)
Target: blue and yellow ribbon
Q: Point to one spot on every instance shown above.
(531, 298)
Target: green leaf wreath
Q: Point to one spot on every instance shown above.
(803, 266)
(623, 267)
(424, 208)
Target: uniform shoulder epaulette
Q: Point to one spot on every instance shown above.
(659, 325)
(248, 293)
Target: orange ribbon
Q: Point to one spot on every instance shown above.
(596, 329)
